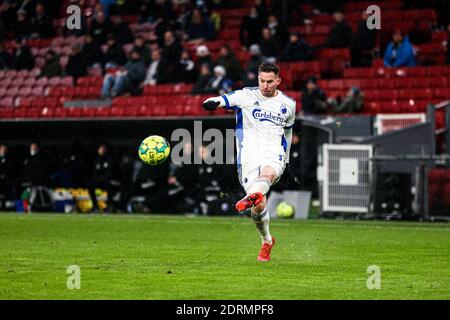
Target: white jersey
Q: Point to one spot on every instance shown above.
(260, 124)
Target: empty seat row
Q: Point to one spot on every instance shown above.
(383, 72)
(380, 84)
(107, 112)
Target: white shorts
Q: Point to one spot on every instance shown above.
(249, 172)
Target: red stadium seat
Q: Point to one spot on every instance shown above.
(73, 112)
(12, 92)
(7, 102)
(88, 112)
(6, 113)
(19, 113)
(101, 112)
(42, 81)
(29, 82)
(131, 111)
(145, 111)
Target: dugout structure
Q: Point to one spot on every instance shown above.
(401, 172)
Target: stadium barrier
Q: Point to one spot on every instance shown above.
(388, 122)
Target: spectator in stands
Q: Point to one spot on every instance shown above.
(108, 6)
(52, 67)
(120, 30)
(443, 10)
(41, 24)
(156, 72)
(22, 57)
(351, 103)
(362, 43)
(171, 49)
(326, 6)
(100, 28)
(256, 58)
(200, 28)
(5, 58)
(76, 65)
(228, 60)
(399, 52)
(313, 98)
(185, 70)
(251, 27)
(296, 49)
(7, 175)
(144, 13)
(143, 48)
(219, 83)
(128, 80)
(268, 44)
(251, 78)
(200, 86)
(92, 51)
(115, 55)
(22, 26)
(102, 176)
(278, 30)
(203, 57)
(340, 34)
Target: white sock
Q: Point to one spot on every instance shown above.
(260, 185)
(262, 224)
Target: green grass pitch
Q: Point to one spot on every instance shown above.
(177, 257)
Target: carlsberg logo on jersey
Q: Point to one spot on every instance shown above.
(260, 115)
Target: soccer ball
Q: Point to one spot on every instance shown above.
(154, 150)
(285, 210)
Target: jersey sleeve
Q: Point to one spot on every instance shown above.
(234, 99)
(291, 119)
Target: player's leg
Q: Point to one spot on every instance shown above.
(260, 215)
(257, 188)
(259, 212)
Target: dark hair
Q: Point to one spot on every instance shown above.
(269, 67)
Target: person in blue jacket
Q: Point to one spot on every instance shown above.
(399, 52)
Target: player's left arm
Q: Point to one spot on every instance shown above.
(288, 132)
(228, 100)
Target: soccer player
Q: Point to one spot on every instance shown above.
(264, 120)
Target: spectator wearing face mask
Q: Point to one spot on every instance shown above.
(200, 85)
(296, 49)
(256, 58)
(278, 30)
(251, 27)
(340, 35)
(219, 83)
(399, 52)
(228, 60)
(203, 57)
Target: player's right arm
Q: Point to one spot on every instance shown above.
(228, 101)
